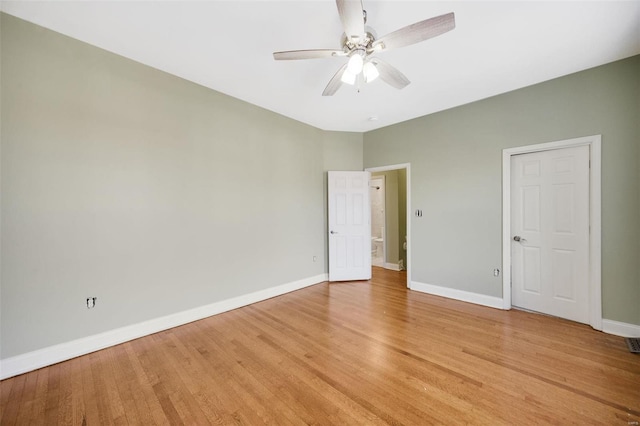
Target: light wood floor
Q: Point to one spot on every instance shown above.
(339, 354)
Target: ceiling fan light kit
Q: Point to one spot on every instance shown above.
(348, 77)
(359, 43)
(356, 61)
(370, 72)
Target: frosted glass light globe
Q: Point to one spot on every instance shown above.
(370, 72)
(355, 64)
(348, 77)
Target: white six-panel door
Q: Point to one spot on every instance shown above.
(349, 226)
(550, 232)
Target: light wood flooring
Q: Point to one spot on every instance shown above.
(339, 354)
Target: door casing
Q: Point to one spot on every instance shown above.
(407, 167)
(595, 219)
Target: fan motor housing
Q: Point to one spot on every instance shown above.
(369, 38)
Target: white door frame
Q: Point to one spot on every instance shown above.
(407, 167)
(595, 219)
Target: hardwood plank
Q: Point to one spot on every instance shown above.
(27, 400)
(53, 394)
(139, 385)
(40, 395)
(344, 353)
(64, 398)
(11, 390)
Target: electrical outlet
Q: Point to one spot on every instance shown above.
(91, 302)
(496, 272)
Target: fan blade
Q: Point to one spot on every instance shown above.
(352, 17)
(390, 74)
(306, 54)
(416, 33)
(335, 82)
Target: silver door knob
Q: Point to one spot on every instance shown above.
(519, 238)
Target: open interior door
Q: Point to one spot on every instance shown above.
(349, 226)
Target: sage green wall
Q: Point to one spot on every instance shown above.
(455, 158)
(150, 192)
(342, 151)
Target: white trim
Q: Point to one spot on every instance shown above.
(620, 328)
(29, 361)
(391, 266)
(595, 246)
(406, 166)
(461, 295)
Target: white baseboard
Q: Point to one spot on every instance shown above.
(464, 296)
(608, 326)
(620, 328)
(30, 361)
(392, 266)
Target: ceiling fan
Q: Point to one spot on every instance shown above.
(359, 43)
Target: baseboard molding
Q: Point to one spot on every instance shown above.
(392, 266)
(620, 328)
(30, 361)
(464, 296)
(608, 326)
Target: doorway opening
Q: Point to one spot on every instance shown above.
(393, 234)
(378, 218)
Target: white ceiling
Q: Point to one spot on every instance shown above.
(227, 46)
